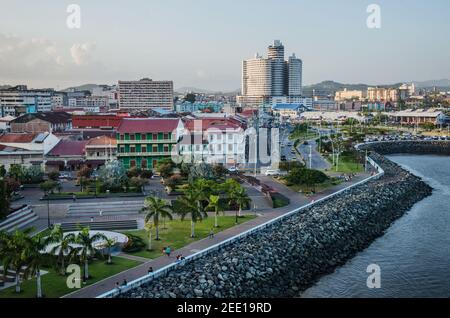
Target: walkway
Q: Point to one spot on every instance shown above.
(297, 200)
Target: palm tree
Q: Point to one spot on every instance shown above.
(109, 244)
(63, 246)
(35, 247)
(240, 197)
(15, 255)
(4, 239)
(191, 204)
(214, 203)
(87, 249)
(156, 208)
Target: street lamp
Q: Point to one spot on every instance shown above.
(48, 208)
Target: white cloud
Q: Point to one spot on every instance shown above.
(82, 53)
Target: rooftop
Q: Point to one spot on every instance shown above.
(148, 125)
(68, 148)
(101, 141)
(53, 117)
(17, 138)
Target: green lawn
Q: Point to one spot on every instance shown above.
(177, 234)
(317, 188)
(54, 285)
(347, 165)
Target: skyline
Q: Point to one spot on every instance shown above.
(39, 50)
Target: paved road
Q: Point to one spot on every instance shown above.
(297, 200)
(317, 161)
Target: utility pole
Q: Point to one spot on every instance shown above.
(310, 157)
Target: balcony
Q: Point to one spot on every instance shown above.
(139, 142)
(144, 154)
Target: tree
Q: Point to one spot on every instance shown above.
(240, 197)
(214, 203)
(156, 208)
(48, 187)
(190, 97)
(32, 175)
(191, 204)
(53, 175)
(113, 175)
(201, 171)
(134, 172)
(15, 256)
(16, 172)
(109, 244)
(83, 174)
(63, 246)
(165, 170)
(220, 171)
(34, 247)
(4, 199)
(86, 250)
(138, 183)
(2, 171)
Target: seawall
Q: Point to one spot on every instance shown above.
(289, 256)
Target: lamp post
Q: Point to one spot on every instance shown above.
(48, 209)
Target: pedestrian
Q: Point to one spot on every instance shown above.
(211, 234)
(92, 219)
(164, 250)
(150, 270)
(74, 198)
(178, 259)
(125, 283)
(118, 286)
(100, 213)
(168, 251)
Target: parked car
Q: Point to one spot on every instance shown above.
(233, 170)
(272, 172)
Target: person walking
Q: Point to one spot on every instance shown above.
(211, 234)
(100, 213)
(150, 270)
(74, 198)
(168, 251)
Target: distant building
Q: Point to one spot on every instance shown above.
(20, 100)
(10, 155)
(5, 123)
(42, 123)
(288, 111)
(97, 121)
(40, 142)
(417, 117)
(188, 107)
(99, 150)
(66, 155)
(145, 94)
(350, 95)
(335, 116)
(264, 79)
(143, 142)
(352, 106)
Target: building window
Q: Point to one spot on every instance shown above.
(122, 149)
(166, 148)
(133, 163)
(166, 136)
(132, 137)
(155, 148)
(155, 136)
(230, 148)
(144, 149)
(144, 164)
(144, 137)
(133, 149)
(122, 137)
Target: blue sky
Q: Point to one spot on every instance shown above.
(201, 42)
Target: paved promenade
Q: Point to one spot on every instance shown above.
(297, 200)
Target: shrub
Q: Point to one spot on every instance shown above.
(135, 244)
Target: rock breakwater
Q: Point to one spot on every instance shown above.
(289, 256)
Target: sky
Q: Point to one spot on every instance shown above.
(201, 43)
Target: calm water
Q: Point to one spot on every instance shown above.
(414, 254)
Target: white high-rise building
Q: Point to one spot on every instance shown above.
(145, 94)
(265, 80)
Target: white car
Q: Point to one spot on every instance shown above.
(272, 172)
(233, 169)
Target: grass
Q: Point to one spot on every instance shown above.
(54, 285)
(347, 164)
(177, 234)
(330, 183)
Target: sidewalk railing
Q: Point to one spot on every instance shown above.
(165, 270)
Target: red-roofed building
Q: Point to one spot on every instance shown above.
(99, 121)
(67, 154)
(143, 142)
